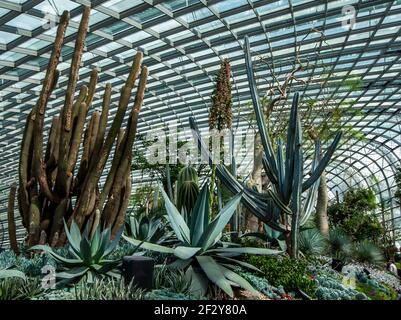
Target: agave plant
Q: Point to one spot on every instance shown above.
(200, 252)
(87, 254)
(282, 207)
(312, 242)
(143, 227)
(367, 252)
(271, 236)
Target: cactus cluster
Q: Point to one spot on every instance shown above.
(54, 184)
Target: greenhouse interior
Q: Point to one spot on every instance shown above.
(200, 150)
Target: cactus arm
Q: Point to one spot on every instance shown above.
(76, 139)
(93, 134)
(34, 220)
(103, 121)
(290, 149)
(260, 205)
(119, 221)
(112, 172)
(62, 186)
(51, 73)
(268, 171)
(83, 165)
(91, 88)
(125, 162)
(83, 93)
(12, 233)
(59, 215)
(267, 145)
(94, 172)
(280, 168)
(23, 170)
(297, 190)
(312, 192)
(51, 163)
(323, 163)
(51, 140)
(39, 110)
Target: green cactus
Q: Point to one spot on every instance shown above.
(187, 188)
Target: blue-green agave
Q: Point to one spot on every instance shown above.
(87, 255)
(200, 251)
(143, 227)
(282, 207)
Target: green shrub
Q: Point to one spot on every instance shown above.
(367, 252)
(286, 272)
(356, 216)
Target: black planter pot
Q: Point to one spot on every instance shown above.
(139, 270)
(337, 265)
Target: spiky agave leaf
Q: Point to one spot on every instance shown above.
(88, 256)
(205, 258)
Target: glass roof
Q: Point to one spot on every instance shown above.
(184, 42)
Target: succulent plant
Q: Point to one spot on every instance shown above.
(187, 188)
(330, 288)
(200, 253)
(312, 242)
(143, 227)
(53, 186)
(282, 207)
(87, 255)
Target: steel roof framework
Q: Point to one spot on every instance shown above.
(184, 42)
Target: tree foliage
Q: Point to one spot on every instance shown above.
(356, 215)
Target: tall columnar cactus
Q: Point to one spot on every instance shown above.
(187, 188)
(53, 185)
(281, 207)
(12, 232)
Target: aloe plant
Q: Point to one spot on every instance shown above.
(200, 252)
(87, 255)
(281, 207)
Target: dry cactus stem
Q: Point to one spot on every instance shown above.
(53, 186)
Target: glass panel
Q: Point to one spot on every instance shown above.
(174, 5)
(6, 37)
(26, 21)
